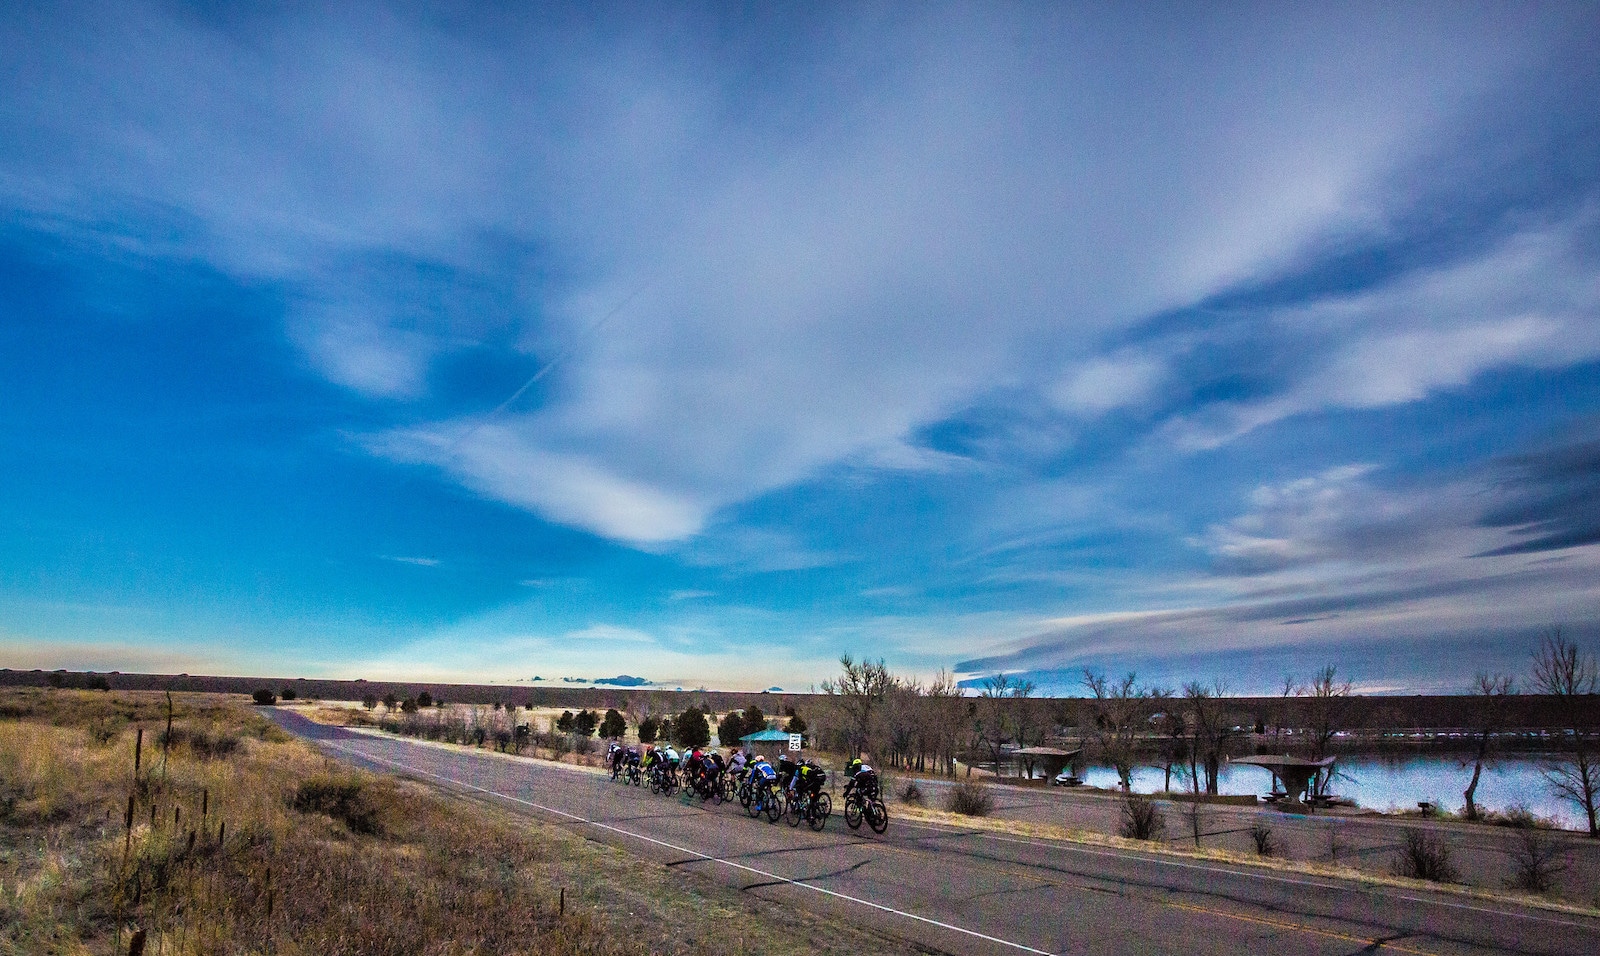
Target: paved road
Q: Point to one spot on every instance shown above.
(1481, 854)
(958, 891)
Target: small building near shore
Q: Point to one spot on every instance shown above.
(760, 738)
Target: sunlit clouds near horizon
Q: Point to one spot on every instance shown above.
(453, 343)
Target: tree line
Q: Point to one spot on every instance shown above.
(1192, 730)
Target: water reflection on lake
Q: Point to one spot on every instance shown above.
(1387, 782)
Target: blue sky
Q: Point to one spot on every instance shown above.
(480, 342)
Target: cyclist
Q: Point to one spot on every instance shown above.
(861, 777)
(762, 774)
(786, 772)
(616, 755)
(809, 780)
(736, 762)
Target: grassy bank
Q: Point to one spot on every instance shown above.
(232, 838)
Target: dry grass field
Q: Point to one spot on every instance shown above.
(224, 836)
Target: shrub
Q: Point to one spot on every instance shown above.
(264, 697)
(1536, 860)
(341, 797)
(615, 725)
(287, 693)
(1141, 818)
(208, 746)
(971, 799)
(1425, 856)
(1519, 817)
(648, 729)
(1266, 844)
(911, 793)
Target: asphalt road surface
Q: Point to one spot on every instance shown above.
(952, 890)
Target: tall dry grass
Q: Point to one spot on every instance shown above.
(264, 846)
(251, 848)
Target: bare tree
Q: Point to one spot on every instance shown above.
(1562, 671)
(859, 694)
(944, 714)
(1170, 726)
(1119, 713)
(1489, 696)
(1025, 711)
(991, 726)
(1004, 715)
(1209, 733)
(901, 709)
(1327, 713)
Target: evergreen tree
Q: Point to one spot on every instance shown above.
(731, 728)
(691, 729)
(585, 722)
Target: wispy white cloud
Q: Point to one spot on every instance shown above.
(1327, 561)
(1529, 301)
(419, 562)
(818, 287)
(689, 594)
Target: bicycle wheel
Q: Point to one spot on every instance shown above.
(774, 804)
(795, 808)
(745, 795)
(877, 816)
(852, 813)
(820, 811)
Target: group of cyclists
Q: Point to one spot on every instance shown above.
(792, 789)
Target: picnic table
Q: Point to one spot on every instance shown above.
(1296, 773)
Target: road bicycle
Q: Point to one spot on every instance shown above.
(765, 799)
(860, 804)
(663, 780)
(813, 808)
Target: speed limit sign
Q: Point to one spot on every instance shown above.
(794, 741)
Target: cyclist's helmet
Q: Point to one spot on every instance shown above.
(854, 765)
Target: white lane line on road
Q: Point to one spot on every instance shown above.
(1267, 877)
(695, 853)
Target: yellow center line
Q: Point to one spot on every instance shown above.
(1297, 927)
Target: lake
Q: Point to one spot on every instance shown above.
(1389, 782)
